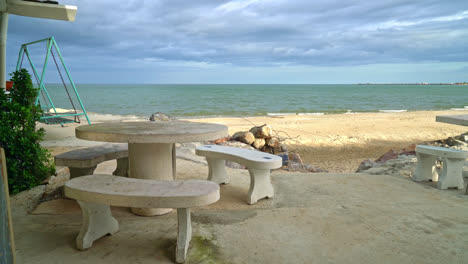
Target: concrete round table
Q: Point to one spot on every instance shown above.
(150, 146)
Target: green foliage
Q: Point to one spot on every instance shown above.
(28, 163)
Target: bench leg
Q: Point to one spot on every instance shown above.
(217, 171)
(77, 172)
(452, 174)
(97, 222)
(184, 233)
(426, 169)
(122, 167)
(174, 161)
(260, 185)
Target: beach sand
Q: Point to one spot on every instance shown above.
(336, 143)
(340, 142)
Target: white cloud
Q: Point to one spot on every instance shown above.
(112, 34)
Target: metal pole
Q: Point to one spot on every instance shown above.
(3, 42)
(71, 81)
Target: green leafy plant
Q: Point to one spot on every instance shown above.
(28, 163)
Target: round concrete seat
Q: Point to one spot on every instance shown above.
(95, 194)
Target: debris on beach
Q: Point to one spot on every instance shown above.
(264, 138)
(158, 116)
(403, 162)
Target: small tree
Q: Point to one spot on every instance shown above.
(28, 163)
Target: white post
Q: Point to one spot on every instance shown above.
(3, 42)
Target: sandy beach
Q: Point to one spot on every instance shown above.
(339, 143)
(336, 143)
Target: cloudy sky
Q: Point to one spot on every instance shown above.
(256, 41)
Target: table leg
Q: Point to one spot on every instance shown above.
(150, 161)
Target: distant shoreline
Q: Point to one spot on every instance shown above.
(464, 83)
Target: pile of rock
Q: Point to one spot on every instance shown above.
(262, 138)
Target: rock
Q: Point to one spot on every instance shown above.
(275, 146)
(267, 149)
(295, 157)
(236, 144)
(283, 148)
(244, 136)
(403, 165)
(158, 116)
(278, 150)
(391, 154)
(294, 166)
(263, 131)
(234, 165)
(258, 143)
(54, 187)
(221, 140)
(365, 165)
(272, 142)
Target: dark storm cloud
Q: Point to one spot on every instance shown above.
(248, 33)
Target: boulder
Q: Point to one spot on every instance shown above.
(365, 165)
(236, 144)
(295, 157)
(283, 148)
(258, 143)
(234, 165)
(391, 154)
(278, 150)
(403, 165)
(272, 142)
(221, 140)
(263, 131)
(267, 149)
(294, 166)
(244, 136)
(158, 116)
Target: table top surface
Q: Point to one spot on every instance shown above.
(461, 120)
(152, 132)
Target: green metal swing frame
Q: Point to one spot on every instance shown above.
(55, 117)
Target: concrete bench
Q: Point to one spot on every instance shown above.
(452, 171)
(96, 193)
(84, 161)
(258, 163)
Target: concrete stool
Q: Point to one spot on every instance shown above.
(96, 193)
(452, 172)
(258, 163)
(84, 161)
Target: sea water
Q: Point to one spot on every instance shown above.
(200, 100)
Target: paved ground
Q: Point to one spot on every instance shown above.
(314, 218)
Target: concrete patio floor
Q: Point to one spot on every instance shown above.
(313, 218)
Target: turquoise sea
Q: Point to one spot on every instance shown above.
(250, 100)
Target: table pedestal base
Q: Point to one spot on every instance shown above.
(151, 161)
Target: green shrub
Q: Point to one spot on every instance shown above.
(28, 163)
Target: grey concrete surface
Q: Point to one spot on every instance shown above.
(313, 218)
